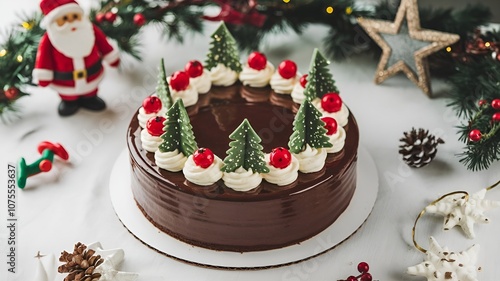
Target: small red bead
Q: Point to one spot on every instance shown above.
(203, 157)
(287, 69)
(257, 61)
(475, 135)
(179, 81)
(351, 278)
(151, 104)
(11, 93)
(496, 117)
(495, 104)
(366, 277)
(155, 126)
(331, 102)
(482, 102)
(331, 126)
(303, 80)
(45, 165)
(139, 19)
(363, 267)
(194, 68)
(280, 158)
(110, 17)
(99, 17)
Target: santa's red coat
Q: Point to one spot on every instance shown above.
(50, 60)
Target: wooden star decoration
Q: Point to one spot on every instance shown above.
(405, 45)
(442, 264)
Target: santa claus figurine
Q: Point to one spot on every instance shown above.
(70, 56)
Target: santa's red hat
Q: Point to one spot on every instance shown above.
(52, 9)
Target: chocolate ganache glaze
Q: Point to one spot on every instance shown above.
(268, 217)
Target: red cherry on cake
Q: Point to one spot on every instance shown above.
(287, 69)
(179, 81)
(495, 104)
(151, 104)
(194, 68)
(331, 102)
(303, 80)
(203, 157)
(351, 278)
(155, 126)
(330, 125)
(280, 158)
(257, 61)
(475, 135)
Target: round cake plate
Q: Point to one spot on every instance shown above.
(349, 222)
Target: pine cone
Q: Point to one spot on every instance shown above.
(80, 264)
(419, 148)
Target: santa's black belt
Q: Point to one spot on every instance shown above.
(78, 74)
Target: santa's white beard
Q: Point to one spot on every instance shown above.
(77, 43)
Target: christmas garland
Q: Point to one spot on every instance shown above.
(250, 21)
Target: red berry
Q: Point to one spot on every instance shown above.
(99, 17)
(110, 17)
(482, 102)
(363, 267)
(203, 157)
(139, 19)
(351, 278)
(287, 69)
(194, 68)
(257, 61)
(45, 165)
(495, 104)
(155, 126)
(366, 277)
(331, 126)
(280, 158)
(331, 102)
(11, 93)
(475, 135)
(496, 117)
(151, 104)
(303, 80)
(179, 81)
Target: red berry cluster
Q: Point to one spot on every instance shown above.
(364, 276)
(111, 16)
(476, 135)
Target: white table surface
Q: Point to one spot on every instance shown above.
(71, 203)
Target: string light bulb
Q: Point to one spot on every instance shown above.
(329, 9)
(27, 25)
(448, 49)
(19, 58)
(487, 44)
(286, 1)
(348, 10)
(3, 53)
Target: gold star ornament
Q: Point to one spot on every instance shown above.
(405, 45)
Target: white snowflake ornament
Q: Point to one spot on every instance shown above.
(458, 210)
(444, 265)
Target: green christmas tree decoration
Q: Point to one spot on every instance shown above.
(162, 88)
(319, 79)
(178, 131)
(245, 151)
(223, 50)
(308, 129)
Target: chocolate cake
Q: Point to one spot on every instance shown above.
(269, 216)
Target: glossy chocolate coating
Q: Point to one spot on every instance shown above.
(268, 217)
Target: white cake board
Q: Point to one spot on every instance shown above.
(351, 220)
